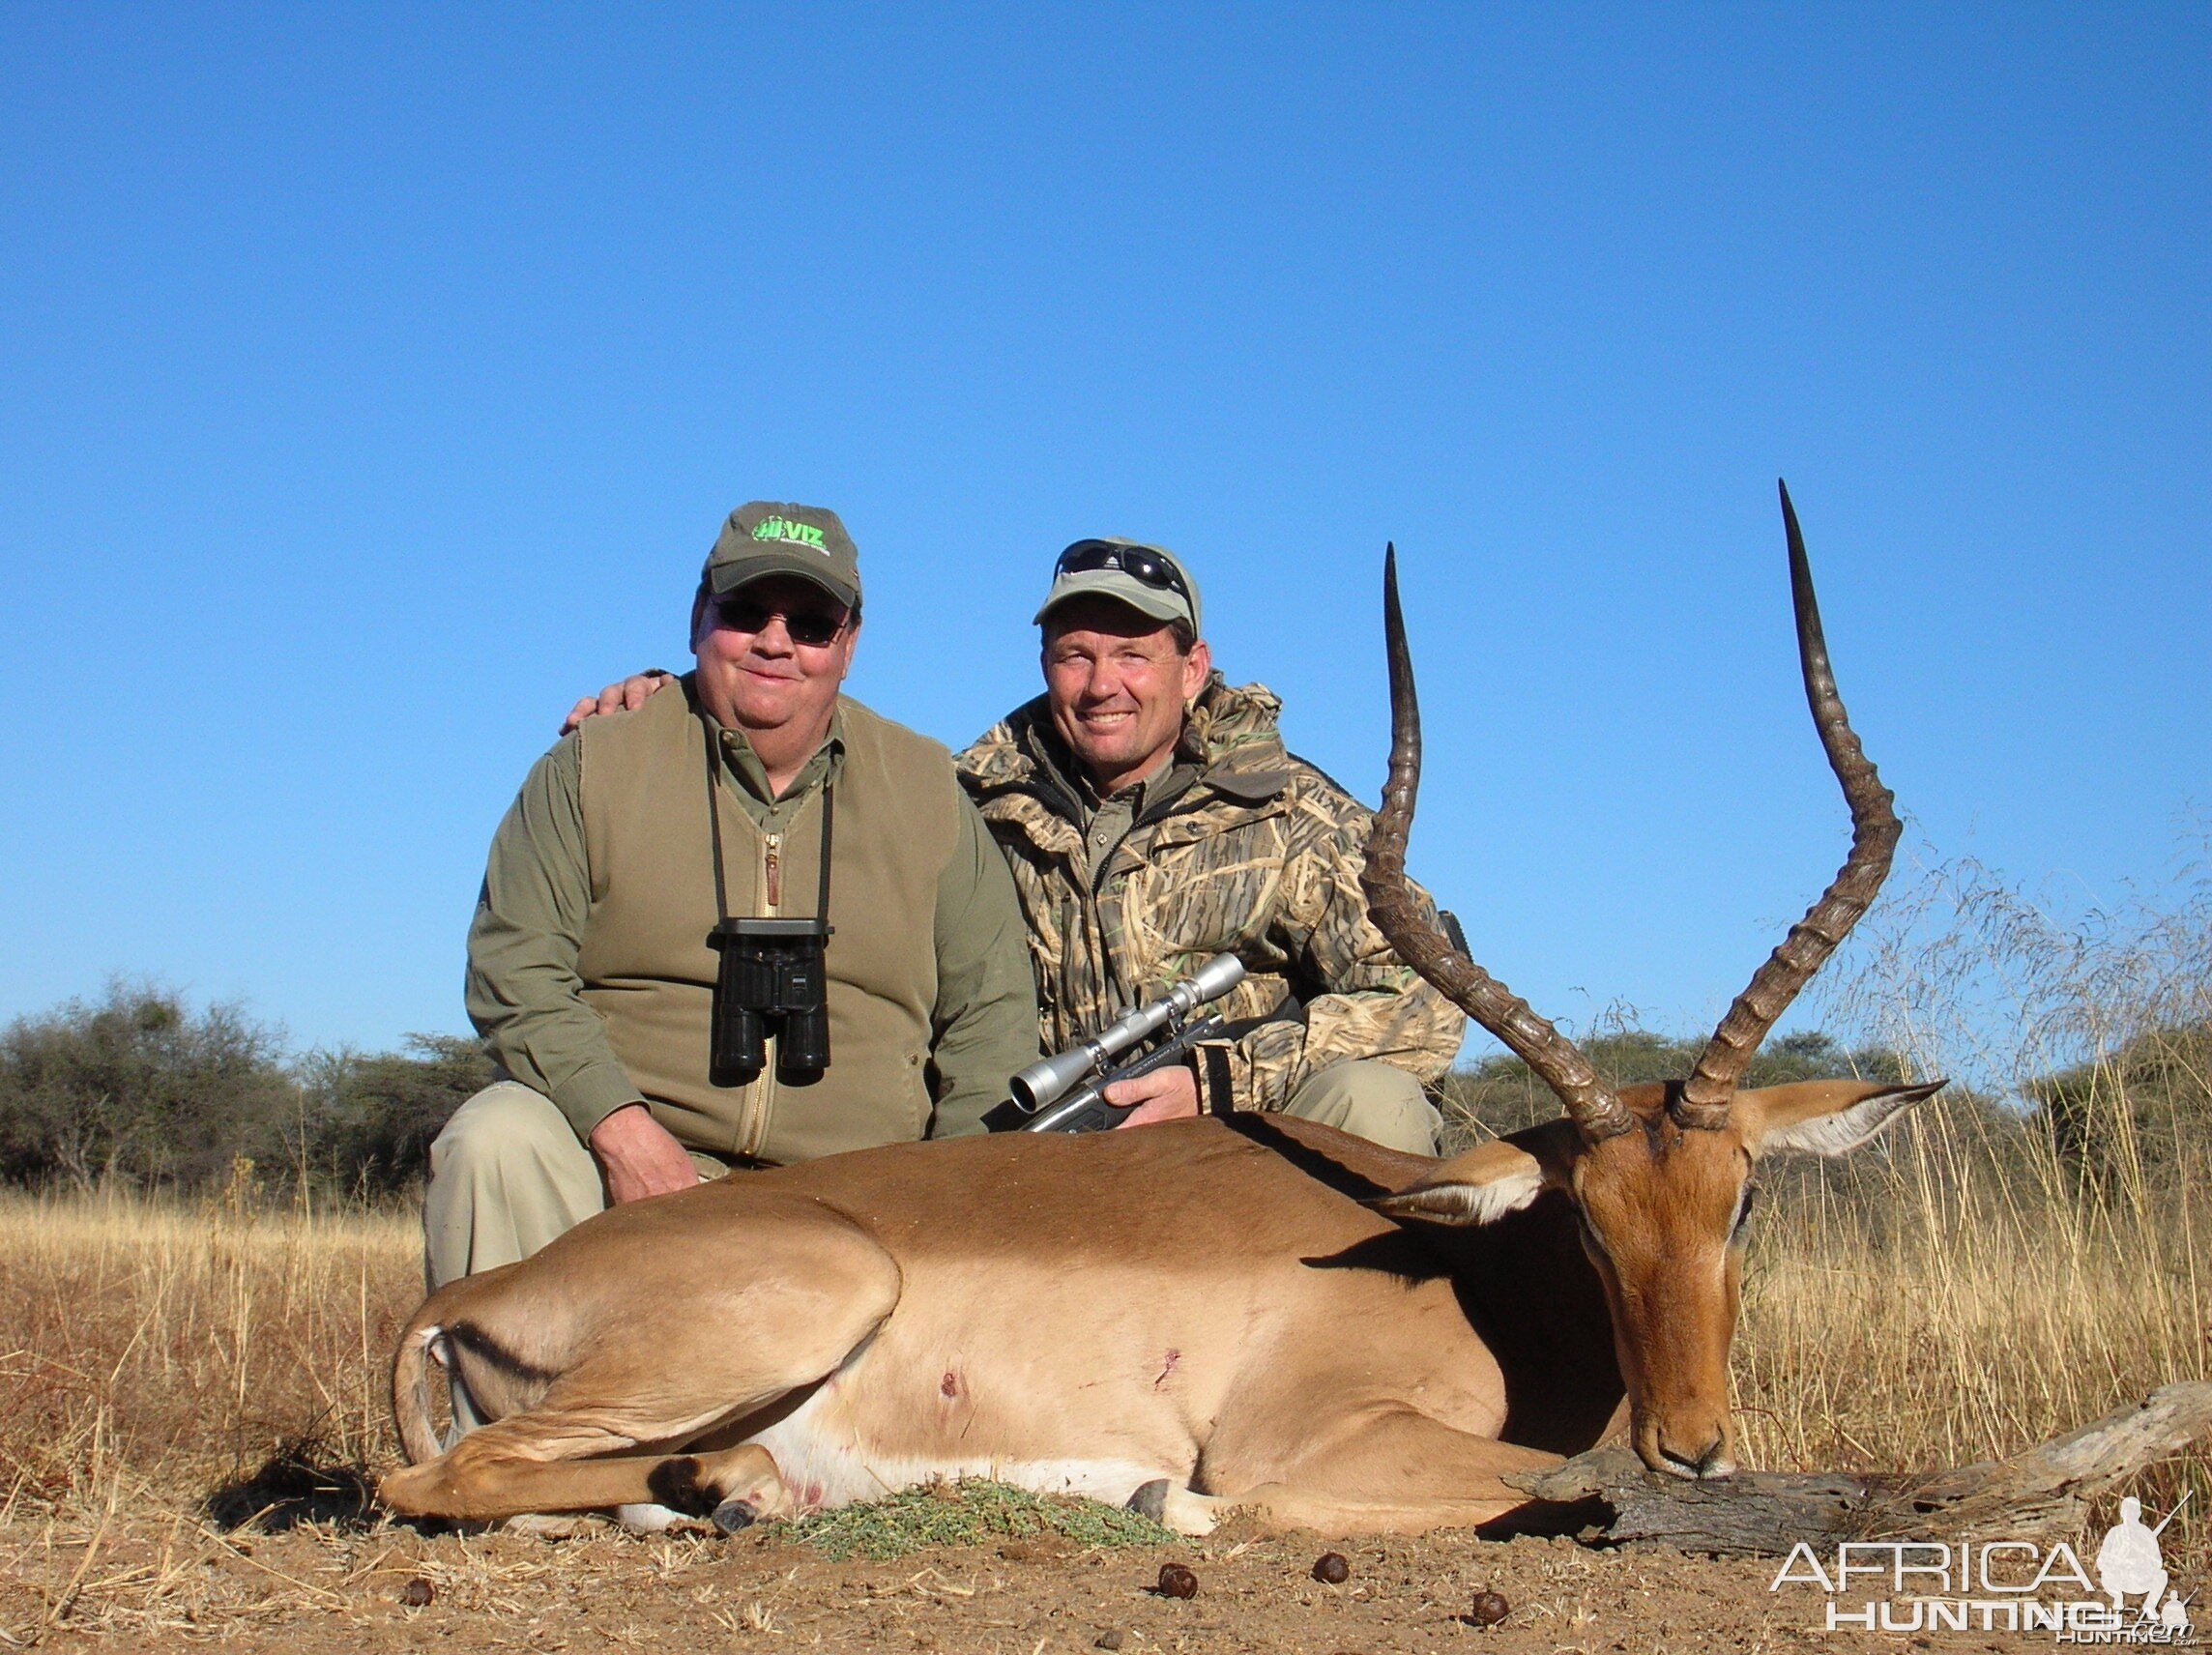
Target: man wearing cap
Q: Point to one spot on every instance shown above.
(1153, 818)
(735, 796)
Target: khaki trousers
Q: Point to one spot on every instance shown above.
(507, 1176)
(1370, 1099)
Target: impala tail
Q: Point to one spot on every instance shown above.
(411, 1390)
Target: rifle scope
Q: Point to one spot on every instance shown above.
(1049, 1077)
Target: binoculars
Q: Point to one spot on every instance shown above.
(770, 981)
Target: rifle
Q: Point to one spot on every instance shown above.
(1042, 1101)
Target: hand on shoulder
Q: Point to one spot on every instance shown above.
(628, 696)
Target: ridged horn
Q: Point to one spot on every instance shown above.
(1703, 1099)
(1595, 1111)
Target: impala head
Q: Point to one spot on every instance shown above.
(1660, 1175)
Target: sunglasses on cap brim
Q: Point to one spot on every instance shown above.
(1139, 562)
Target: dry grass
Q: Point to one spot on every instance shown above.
(169, 1372)
(1934, 1306)
(178, 1381)
(1988, 1276)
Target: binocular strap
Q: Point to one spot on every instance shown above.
(715, 831)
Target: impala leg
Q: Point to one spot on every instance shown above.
(666, 1370)
(1436, 1477)
(498, 1471)
(1285, 1505)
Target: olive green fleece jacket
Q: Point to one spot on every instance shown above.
(571, 963)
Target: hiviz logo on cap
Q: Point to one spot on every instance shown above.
(791, 533)
(773, 536)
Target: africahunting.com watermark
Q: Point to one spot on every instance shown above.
(2002, 1586)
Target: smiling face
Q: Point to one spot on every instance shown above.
(754, 675)
(1118, 685)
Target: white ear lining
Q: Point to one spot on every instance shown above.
(1509, 1194)
(1468, 1204)
(1844, 1131)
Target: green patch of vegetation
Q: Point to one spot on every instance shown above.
(2127, 1116)
(969, 1514)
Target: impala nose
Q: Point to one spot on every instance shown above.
(1712, 1461)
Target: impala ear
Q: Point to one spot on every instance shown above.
(1822, 1118)
(1488, 1181)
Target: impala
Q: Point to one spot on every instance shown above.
(1240, 1312)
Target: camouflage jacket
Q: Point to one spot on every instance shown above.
(1259, 857)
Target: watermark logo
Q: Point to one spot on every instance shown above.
(2002, 1585)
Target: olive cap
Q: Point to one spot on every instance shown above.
(774, 537)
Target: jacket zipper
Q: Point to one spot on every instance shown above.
(763, 1100)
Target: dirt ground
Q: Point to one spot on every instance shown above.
(389, 1588)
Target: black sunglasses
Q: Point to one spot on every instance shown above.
(1140, 562)
(808, 626)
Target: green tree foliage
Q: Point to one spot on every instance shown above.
(367, 1119)
(138, 1089)
(2119, 1121)
(1500, 1094)
(135, 1088)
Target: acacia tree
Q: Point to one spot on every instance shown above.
(136, 1087)
(367, 1119)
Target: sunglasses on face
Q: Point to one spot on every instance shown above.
(1140, 562)
(811, 628)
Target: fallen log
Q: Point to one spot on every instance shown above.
(2041, 1493)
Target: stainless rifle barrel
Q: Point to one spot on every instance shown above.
(1048, 1077)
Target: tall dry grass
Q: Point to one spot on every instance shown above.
(1955, 1299)
(172, 1377)
(153, 1350)
(2026, 1254)
(1957, 1293)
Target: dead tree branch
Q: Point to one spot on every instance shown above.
(2040, 1494)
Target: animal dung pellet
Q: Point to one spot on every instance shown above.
(1490, 1608)
(417, 1592)
(1176, 1581)
(1331, 1569)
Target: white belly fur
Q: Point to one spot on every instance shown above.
(823, 1464)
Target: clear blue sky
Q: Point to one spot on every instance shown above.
(373, 380)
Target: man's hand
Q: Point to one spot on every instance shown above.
(1170, 1094)
(628, 696)
(639, 1156)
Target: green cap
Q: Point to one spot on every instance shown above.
(1149, 579)
(773, 536)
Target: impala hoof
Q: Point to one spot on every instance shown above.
(734, 1515)
(1151, 1500)
(646, 1516)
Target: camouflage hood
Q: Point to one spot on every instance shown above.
(1259, 856)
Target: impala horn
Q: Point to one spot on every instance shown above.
(1592, 1107)
(1703, 1100)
